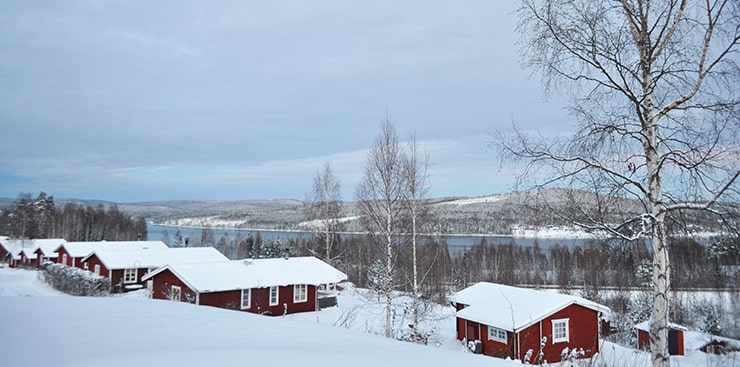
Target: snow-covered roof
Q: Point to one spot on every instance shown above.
(48, 247)
(513, 308)
(257, 273)
(15, 246)
(645, 326)
(154, 258)
(29, 252)
(82, 249)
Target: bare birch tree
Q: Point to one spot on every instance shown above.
(323, 210)
(653, 86)
(380, 198)
(415, 168)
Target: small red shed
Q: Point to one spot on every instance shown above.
(10, 250)
(5, 249)
(28, 257)
(519, 323)
(263, 286)
(675, 338)
(46, 249)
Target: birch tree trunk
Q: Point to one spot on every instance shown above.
(416, 175)
(380, 200)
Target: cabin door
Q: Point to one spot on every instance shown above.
(673, 342)
(473, 331)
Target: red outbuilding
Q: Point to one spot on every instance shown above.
(519, 323)
(5, 246)
(675, 338)
(125, 268)
(263, 286)
(46, 249)
(28, 257)
(10, 250)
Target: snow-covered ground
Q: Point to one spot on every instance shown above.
(42, 327)
(321, 223)
(555, 232)
(478, 200)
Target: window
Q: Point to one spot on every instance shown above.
(246, 294)
(560, 331)
(273, 296)
(86, 265)
(175, 293)
(129, 276)
(97, 269)
(497, 334)
(64, 259)
(300, 293)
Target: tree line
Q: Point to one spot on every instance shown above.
(39, 217)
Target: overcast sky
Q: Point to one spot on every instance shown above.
(137, 100)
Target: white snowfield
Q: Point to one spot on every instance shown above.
(42, 327)
(478, 200)
(121, 331)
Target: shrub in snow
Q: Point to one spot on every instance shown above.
(74, 281)
(475, 346)
(639, 310)
(377, 276)
(712, 318)
(571, 355)
(528, 356)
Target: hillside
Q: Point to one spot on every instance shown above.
(494, 214)
(500, 214)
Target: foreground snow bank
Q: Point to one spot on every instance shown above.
(81, 331)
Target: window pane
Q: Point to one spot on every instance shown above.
(246, 293)
(273, 296)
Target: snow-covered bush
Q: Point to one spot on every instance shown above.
(74, 281)
(711, 316)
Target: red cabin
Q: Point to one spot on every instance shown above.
(518, 323)
(262, 286)
(125, 268)
(46, 250)
(72, 253)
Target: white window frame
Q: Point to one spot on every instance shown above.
(300, 293)
(248, 294)
(86, 266)
(561, 324)
(97, 269)
(129, 275)
(64, 259)
(496, 334)
(175, 293)
(276, 300)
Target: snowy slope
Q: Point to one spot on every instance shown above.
(42, 327)
(80, 331)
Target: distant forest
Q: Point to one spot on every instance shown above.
(39, 217)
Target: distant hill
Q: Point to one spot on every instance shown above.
(492, 214)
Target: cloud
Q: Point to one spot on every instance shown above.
(134, 100)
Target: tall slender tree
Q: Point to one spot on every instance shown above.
(323, 210)
(380, 199)
(415, 170)
(653, 85)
